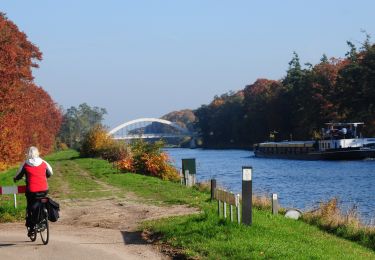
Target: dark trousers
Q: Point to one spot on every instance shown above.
(31, 198)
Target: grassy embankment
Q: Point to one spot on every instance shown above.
(203, 235)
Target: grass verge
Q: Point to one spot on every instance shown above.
(206, 236)
(330, 218)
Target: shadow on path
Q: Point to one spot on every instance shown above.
(133, 238)
(18, 243)
(4, 245)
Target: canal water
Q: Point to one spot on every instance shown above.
(299, 184)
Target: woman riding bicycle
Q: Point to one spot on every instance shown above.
(36, 171)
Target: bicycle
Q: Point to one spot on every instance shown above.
(41, 219)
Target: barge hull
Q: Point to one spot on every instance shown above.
(357, 154)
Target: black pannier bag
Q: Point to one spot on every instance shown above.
(53, 210)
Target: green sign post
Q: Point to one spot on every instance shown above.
(189, 171)
(189, 164)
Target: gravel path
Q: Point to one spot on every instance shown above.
(90, 229)
(71, 242)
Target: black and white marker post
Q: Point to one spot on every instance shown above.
(247, 195)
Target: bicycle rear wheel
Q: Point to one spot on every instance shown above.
(44, 231)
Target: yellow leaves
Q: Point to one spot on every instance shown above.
(3, 166)
(95, 142)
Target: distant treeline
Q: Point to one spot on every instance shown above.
(297, 106)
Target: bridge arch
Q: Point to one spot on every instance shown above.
(151, 120)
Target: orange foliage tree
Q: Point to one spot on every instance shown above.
(28, 115)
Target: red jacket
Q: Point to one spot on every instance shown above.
(36, 171)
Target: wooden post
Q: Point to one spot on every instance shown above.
(231, 212)
(213, 188)
(15, 200)
(275, 204)
(225, 209)
(238, 208)
(247, 190)
(187, 178)
(218, 207)
(193, 179)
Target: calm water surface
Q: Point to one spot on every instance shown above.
(300, 184)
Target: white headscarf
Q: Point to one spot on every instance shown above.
(32, 156)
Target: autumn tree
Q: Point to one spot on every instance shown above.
(221, 122)
(18, 55)
(324, 103)
(355, 86)
(185, 118)
(266, 110)
(28, 115)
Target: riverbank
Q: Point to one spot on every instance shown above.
(201, 235)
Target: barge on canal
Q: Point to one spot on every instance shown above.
(341, 141)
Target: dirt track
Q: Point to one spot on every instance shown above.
(90, 229)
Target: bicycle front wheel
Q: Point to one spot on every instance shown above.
(44, 232)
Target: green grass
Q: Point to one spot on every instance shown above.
(204, 235)
(270, 236)
(153, 189)
(7, 211)
(70, 181)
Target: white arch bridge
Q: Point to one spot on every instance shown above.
(149, 128)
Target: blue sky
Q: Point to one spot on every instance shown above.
(147, 58)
